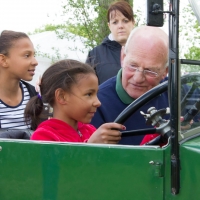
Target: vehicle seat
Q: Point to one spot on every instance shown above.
(16, 133)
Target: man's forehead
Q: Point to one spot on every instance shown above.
(146, 48)
(145, 60)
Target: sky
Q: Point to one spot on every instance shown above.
(28, 15)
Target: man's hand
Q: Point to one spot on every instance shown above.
(186, 126)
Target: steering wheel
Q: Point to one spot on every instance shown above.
(139, 102)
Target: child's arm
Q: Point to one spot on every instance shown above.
(107, 134)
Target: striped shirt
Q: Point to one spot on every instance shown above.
(13, 116)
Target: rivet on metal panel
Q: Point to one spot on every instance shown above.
(173, 157)
(152, 162)
(174, 191)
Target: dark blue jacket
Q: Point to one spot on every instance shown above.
(105, 58)
(112, 106)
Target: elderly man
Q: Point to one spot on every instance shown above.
(144, 62)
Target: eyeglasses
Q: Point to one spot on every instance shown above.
(146, 72)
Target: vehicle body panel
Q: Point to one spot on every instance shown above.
(77, 171)
(33, 170)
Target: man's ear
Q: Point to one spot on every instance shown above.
(61, 96)
(165, 73)
(122, 55)
(3, 62)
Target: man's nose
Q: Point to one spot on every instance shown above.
(139, 76)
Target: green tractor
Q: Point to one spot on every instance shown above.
(33, 170)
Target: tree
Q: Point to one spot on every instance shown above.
(106, 3)
(85, 18)
(89, 20)
(190, 34)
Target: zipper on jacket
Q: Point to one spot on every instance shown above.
(80, 134)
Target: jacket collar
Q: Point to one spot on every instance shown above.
(111, 43)
(123, 95)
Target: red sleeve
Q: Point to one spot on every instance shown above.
(148, 138)
(87, 130)
(44, 134)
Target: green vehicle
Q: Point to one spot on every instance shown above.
(33, 170)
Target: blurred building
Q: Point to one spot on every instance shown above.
(50, 48)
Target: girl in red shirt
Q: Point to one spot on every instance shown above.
(70, 88)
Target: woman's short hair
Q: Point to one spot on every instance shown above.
(123, 7)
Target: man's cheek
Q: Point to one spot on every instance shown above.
(125, 78)
(128, 76)
(153, 83)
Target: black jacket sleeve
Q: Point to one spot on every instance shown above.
(31, 89)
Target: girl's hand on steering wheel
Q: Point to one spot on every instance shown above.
(108, 133)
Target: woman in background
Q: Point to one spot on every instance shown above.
(105, 58)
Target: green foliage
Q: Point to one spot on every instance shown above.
(48, 27)
(56, 55)
(139, 21)
(87, 19)
(194, 53)
(189, 33)
(189, 38)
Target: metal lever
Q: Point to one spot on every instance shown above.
(154, 117)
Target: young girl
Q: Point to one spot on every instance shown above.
(17, 62)
(70, 88)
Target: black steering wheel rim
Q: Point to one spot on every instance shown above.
(142, 100)
(139, 102)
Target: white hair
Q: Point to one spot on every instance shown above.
(139, 28)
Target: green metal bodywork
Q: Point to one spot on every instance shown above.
(31, 170)
(59, 171)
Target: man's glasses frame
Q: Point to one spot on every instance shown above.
(145, 72)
